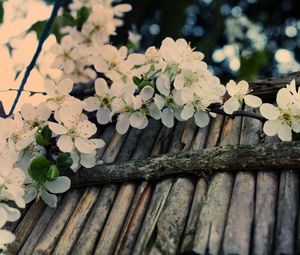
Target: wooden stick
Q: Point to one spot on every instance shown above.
(267, 88)
(227, 158)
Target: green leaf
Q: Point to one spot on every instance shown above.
(39, 139)
(137, 81)
(82, 16)
(46, 133)
(64, 161)
(146, 83)
(1, 11)
(39, 168)
(62, 21)
(43, 137)
(38, 28)
(66, 19)
(53, 173)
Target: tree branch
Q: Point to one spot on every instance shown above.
(282, 155)
(31, 65)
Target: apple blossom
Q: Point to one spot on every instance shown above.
(239, 93)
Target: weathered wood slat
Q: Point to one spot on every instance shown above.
(200, 191)
(76, 222)
(119, 211)
(134, 219)
(267, 88)
(115, 220)
(237, 237)
(188, 134)
(99, 214)
(288, 201)
(212, 218)
(170, 141)
(88, 237)
(173, 218)
(160, 146)
(156, 205)
(199, 195)
(264, 224)
(33, 238)
(25, 227)
(265, 210)
(144, 148)
(52, 232)
(190, 230)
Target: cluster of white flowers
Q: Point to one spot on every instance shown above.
(165, 83)
(11, 177)
(75, 49)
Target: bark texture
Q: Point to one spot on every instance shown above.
(281, 155)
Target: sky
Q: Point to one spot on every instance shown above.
(19, 15)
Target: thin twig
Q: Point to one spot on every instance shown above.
(24, 90)
(29, 68)
(250, 114)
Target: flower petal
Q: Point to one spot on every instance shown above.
(28, 111)
(65, 143)
(30, 194)
(201, 119)
(83, 145)
(163, 84)
(271, 127)
(43, 112)
(65, 86)
(60, 185)
(187, 112)
(49, 199)
(231, 88)
(252, 101)
(231, 105)
(154, 112)
(103, 115)
(101, 87)
(86, 129)
(92, 104)
(269, 111)
(167, 117)
(147, 93)
(136, 119)
(159, 101)
(57, 128)
(6, 237)
(285, 132)
(3, 217)
(122, 124)
(243, 87)
(88, 160)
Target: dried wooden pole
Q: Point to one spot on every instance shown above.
(227, 158)
(267, 88)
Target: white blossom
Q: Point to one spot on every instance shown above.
(283, 118)
(239, 93)
(66, 54)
